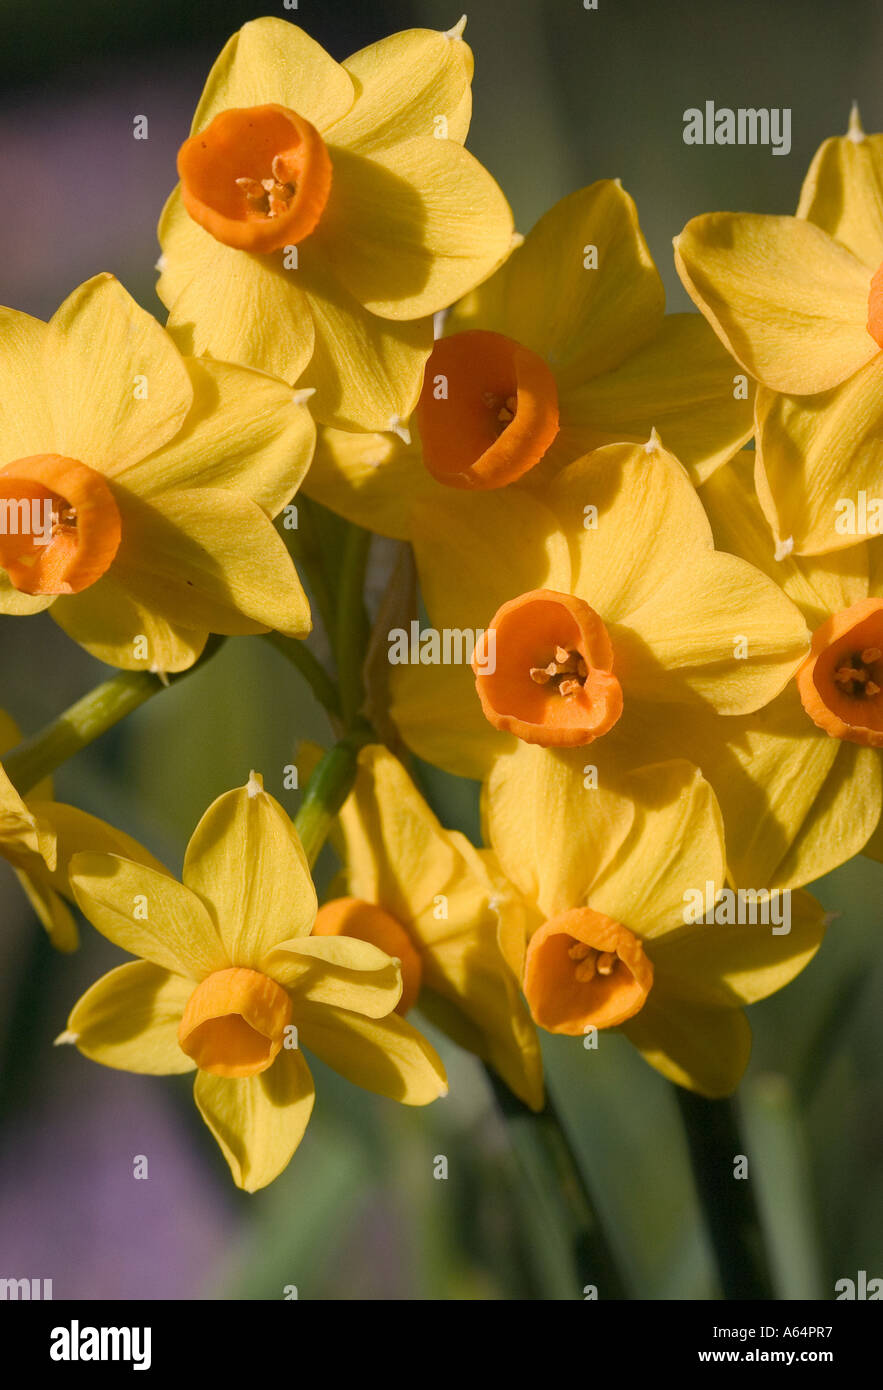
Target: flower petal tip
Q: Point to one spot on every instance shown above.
(517, 240)
(160, 265)
(653, 445)
(255, 784)
(784, 548)
(66, 1037)
(856, 131)
(161, 675)
(303, 394)
(395, 426)
(457, 31)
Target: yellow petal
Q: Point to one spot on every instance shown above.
(129, 1019)
(399, 856)
(49, 907)
(874, 846)
(725, 966)
(338, 970)
(506, 542)
(683, 383)
(120, 389)
(463, 742)
(815, 455)
(371, 479)
(244, 431)
(229, 305)
(147, 913)
(258, 1121)
(676, 844)
(209, 558)
(16, 604)
(843, 194)
(795, 802)
(650, 526)
(366, 371)
(270, 60)
(552, 834)
(690, 621)
(414, 227)
(26, 426)
(468, 972)
(118, 628)
(439, 889)
(21, 832)
(819, 585)
(76, 831)
(245, 859)
(704, 1050)
(404, 84)
(789, 303)
(384, 1055)
(724, 633)
(583, 319)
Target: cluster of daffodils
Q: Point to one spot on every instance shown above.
(674, 697)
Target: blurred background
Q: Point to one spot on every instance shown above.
(563, 95)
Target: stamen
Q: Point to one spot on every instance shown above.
(567, 664)
(854, 677)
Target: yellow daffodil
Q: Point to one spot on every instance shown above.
(799, 781)
(38, 836)
(230, 983)
(601, 608)
(424, 895)
(565, 348)
(137, 485)
(799, 303)
(630, 925)
(326, 211)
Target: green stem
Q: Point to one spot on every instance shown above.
(86, 720)
(311, 669)
(351, 635)
(305, 548)
(728, 1202)
(564, 1203)
(327, 790)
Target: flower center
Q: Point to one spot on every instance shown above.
(875, 308)
(544, 671)
(488, 410)
(368, 922)
(257, 178)
(584, 969)
(234, 1022)
(59, 524)
(841, 681)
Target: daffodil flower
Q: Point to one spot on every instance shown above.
(799, 303)
(137, 485)
(602, 607)
(326, 211)
(800, 780)
(424, 895)
(231, 984)
(611, 879)
(39, 836)
(565, 348)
